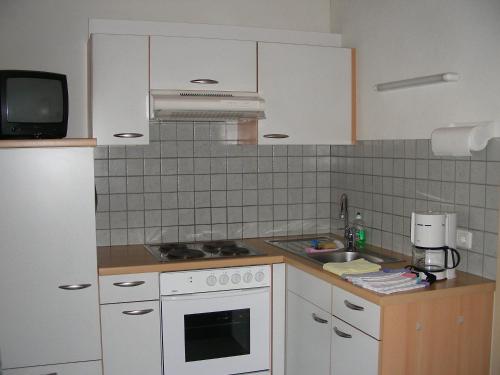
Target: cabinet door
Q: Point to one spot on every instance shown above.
(308, 331)
(228, 65)
(308, 94)
(47, 231)
(131, 341)
(120, 89)
(83, 368)
(421, 338)
(474, 333)
(353, 352)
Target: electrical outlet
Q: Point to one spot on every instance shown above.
(464, 239)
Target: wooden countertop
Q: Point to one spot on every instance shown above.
(44, 143)
(116, 260)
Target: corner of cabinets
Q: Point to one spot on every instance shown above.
(309, 92)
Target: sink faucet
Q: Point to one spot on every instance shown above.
(344, 214)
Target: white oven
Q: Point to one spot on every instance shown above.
(216, 321)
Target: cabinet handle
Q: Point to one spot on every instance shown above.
(52, 373)
(352, 306)
(137, 312)
(128, 284)
(342, 334)
(204, 81)
(128, 135)
(276, 136)
(74, 286)
(318, 319)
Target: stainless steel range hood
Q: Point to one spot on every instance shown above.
(206, 105)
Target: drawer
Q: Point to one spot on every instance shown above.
(78, 368)
(356, 311)
(129, 288)
(311, 288)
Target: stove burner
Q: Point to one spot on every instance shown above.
(211, 249)
(232, 250)
(215, 247)
(167, 248)
(185, 253)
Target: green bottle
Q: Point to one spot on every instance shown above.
(359, 231)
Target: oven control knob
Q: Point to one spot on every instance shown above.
(211, 280)
(223, 279)
(259, 276)
(236, 278)
(247, 277)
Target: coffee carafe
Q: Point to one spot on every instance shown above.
(433, 235)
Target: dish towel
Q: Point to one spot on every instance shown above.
(353, 267)
(387, 282)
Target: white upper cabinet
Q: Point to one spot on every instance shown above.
(120, 89)
(179, 63)
(308, 93)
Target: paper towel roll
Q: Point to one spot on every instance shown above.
(460, 140)
(452, 141)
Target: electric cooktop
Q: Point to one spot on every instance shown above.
(179, 251)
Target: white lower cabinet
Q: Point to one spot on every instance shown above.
(353, 352)
(308, 338)
(80, 368)
(131, 338)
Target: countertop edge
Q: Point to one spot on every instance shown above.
(146, 263)
(47, 143)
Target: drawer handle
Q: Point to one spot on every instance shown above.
(276, 136)
(128, 284)
(342, 334)
(318, 319)
(74, 286)
(52, 373)
(352, 306)
(137, 312)
(204, 81)
(128, 135)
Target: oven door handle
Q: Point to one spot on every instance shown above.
(218, 294)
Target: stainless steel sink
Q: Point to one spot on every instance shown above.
(347, 256)
(298, 247)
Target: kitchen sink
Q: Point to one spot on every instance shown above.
(347, 256)
(339, 256)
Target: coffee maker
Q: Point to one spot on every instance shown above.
(433, 235)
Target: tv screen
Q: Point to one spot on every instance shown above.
(34, 100)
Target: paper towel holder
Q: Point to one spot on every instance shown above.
(475, 135)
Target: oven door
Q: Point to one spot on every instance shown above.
(217, 333)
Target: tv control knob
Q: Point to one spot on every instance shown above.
(236, 278)
(247, 277)
(259, 276)
(223, 279)
(211, 280)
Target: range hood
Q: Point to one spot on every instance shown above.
(206, 105)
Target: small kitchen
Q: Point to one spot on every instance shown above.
(217, 181)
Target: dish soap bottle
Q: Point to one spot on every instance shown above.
(360, 232)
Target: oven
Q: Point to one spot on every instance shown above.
(217, 321)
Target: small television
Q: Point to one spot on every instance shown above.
(33, 104)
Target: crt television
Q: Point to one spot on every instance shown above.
(33, 104)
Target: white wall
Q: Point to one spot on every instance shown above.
(398, 39)
(52, 34)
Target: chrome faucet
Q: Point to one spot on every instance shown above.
(344, 214)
